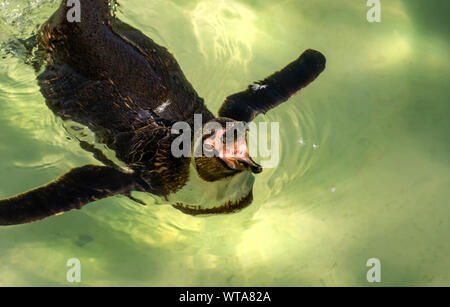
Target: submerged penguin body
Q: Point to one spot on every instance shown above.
(228, 195)
(112, 79)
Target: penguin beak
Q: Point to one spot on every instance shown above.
(252, 165)
(238, 157)
(243, 163)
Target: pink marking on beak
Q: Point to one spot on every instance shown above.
(236, 156)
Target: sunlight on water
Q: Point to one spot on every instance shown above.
(364, 157)
(212, 22)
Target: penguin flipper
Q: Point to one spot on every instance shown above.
(75, 189)
(274, 90)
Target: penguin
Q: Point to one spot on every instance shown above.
(130, 92)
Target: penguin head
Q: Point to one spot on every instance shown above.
(224, 150)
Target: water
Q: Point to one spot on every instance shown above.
(364, 168)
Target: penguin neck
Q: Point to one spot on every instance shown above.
(212, 169)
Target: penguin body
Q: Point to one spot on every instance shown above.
(110, 78)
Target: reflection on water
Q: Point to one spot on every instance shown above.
(364, 166)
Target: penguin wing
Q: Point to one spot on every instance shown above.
(274, 90)
(72, 191)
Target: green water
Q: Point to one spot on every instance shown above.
(376, 185)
